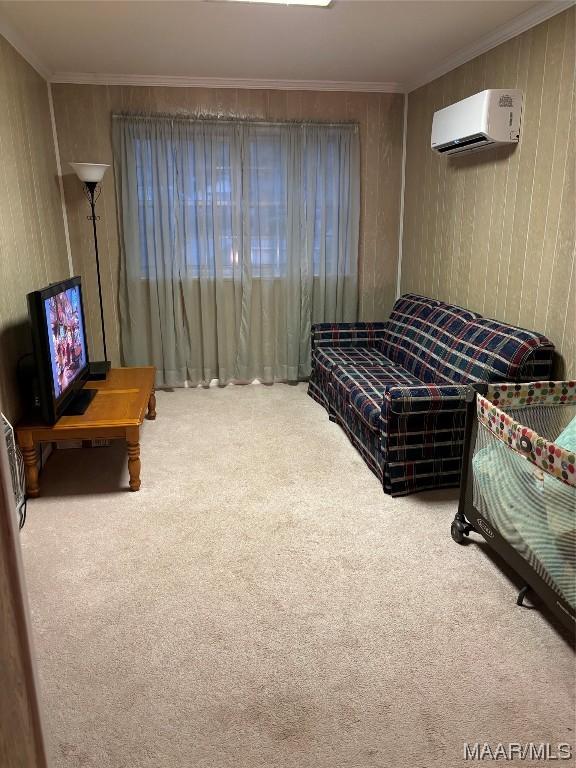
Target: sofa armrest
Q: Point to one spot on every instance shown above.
(347, 334)
(423, 422)
(538, 365)
(422, 438)
(427, 398)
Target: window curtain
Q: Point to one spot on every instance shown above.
(234, 238)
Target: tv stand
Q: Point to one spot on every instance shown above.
(126, 396)
(79, 405)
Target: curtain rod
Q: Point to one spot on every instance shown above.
(232, 119)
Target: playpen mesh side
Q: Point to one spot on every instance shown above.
(524, 483)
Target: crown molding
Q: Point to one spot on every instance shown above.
(525, 21)
(522, 23)
(16, 41)
(89, 78)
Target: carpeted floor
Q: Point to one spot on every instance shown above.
(260, 603)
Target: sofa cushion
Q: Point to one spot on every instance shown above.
(328, 357)
(325, 359)
(421, 334)
(362, 387)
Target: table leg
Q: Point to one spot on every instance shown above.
(151, 406)
(30, 456)
(134, 465)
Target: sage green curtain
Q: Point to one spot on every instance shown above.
(234, 238)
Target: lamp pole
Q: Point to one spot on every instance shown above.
(91, 174)
(92, 197)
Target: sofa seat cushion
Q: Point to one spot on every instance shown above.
(363, 387)
(326, 358)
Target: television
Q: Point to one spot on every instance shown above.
(60, 350)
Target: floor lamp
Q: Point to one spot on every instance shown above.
(91, 174)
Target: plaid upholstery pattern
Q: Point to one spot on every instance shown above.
(346, 334)
(363, 387)
(538, 366)
(425, 399)
(325, 359)
(424, 437)
(442, 343)
(365, 440)
(329, 357)
(398, 389)
(491, 351)
(421, 333)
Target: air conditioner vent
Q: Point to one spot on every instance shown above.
(461, 144)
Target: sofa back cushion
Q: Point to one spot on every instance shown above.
(441, 343)
(421, 334)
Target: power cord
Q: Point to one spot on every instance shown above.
(22, 513)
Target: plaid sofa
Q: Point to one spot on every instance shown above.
(398, 389)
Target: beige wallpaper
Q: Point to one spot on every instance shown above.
(83, 118)
(32, 243)
(494, 231)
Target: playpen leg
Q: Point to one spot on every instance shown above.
(522, 595)
(460, 528)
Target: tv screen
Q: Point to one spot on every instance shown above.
(64, 323)
(61, 365)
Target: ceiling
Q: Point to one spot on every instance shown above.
(369, 45)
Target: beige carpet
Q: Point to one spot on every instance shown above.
(260, 603)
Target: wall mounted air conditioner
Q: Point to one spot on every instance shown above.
(487, 119)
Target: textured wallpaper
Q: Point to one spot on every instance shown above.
(83, 118)
(494, 231)
(32, 242)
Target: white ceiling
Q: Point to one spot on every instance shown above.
(371, 44)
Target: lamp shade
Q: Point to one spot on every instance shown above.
(90, 171)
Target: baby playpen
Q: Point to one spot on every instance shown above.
(519, 484)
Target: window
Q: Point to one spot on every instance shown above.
(247, 192)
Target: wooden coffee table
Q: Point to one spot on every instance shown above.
(116, 413)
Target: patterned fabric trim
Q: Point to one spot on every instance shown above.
(535, 393)
(547, 456)
(347, 334)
